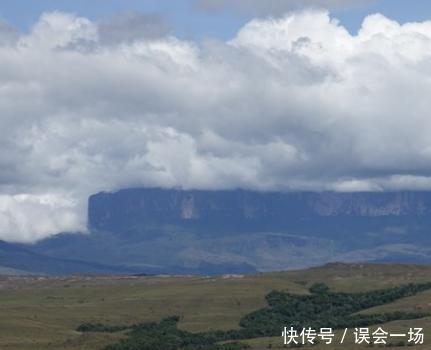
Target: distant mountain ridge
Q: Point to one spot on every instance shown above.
(18, 260)
(153, 230)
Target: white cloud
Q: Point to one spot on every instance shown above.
(26, 217)
(56, 30)
(289, 103)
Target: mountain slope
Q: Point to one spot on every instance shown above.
(17, 260)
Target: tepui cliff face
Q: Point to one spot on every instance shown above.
(155, 230)
(113, 211)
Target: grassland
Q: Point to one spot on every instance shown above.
(40, 313)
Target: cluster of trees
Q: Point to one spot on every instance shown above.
(100, 327)
(320, 309)
(323, 308)
(164, 335)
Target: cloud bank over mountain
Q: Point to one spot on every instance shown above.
(295, 103)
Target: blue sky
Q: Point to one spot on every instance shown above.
(400, 10)
(186, 22)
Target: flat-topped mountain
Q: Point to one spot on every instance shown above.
(153, 230)
(131, 207)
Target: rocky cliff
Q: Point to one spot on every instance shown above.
(211, 232)
(131, 207)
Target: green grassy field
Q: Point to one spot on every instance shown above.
(44, 313)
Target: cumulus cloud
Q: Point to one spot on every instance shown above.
(274, 7)
(30, 217)
(295, 103)
(58, 30)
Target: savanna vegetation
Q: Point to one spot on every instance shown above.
(319, 309)
(45, 313)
